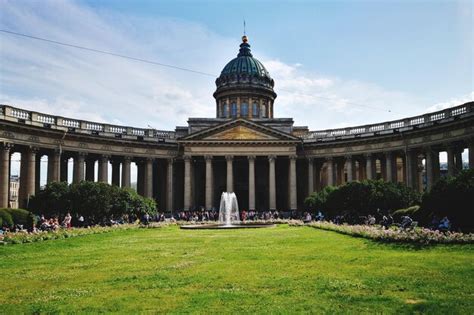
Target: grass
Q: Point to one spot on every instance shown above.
(277, 270)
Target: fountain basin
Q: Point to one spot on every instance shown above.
(217, 226)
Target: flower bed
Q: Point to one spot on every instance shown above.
(30, 237)
(377, 233)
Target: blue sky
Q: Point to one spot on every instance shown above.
(335, 63)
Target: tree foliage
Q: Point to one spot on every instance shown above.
(452, 197)
(362, 198)
(95, 201)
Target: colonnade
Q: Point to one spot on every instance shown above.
(394, 166)
(83, 169)
(209, 181)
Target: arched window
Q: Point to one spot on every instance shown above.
(233, 109)
(255, 109)
(224, 110)
(263, 110)
(244, 109)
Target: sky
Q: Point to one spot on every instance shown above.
(335, 63)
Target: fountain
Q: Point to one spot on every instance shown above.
(229, 209)
(229, 216)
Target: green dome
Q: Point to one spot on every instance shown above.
(244, 70)
(245, 63)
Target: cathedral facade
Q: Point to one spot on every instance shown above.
(269, 163)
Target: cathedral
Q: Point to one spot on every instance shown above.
(269, 163)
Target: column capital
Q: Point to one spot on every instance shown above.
(104, 157)
(81, 154)
(348, 157)
(329, 159)
(293, 157)
(368, 155)
(388, 153)
(170, 160)
(6, 146)
(150, 159)
(32, 149)
(229, 158)
(251, 157)
(187, 157)
(271, 158)
(127, 158)
(208, 158)
(310, 159)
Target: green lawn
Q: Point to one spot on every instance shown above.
(278, 270)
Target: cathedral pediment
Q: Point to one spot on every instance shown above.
(240, 133)
(239, 130)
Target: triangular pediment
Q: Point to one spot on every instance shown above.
(239, 130)
(240, 133)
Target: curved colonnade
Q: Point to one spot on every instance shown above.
(405, 150)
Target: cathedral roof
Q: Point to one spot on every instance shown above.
(244, 69)
(245, 63)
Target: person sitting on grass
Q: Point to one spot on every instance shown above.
(387, 220)
(406, 222)
(444, 224)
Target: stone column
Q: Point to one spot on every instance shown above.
(436, 167)
(116, 172)
(4, 174)
(187, 182)
(293, 205)
(230, 173)
(362, 170)
(238, 106)
(251, 159)
(310, 175)
(411, 168)
(451, 164)
(389, 167)
(429, 165)
(470, 147)
(126, 182)
(330, 171)
(209, 182)
(369, 166)
(54, 164)
(78, 174)
(28, 176)
(349, 168)
(104, 169)
(169, 186)
(271, 182)
(90, 169)
(149, 178)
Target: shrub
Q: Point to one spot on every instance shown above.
(452, 197)
(6, 217)
(356, 199)
(51, 201)
(22, 217)
(97, 202)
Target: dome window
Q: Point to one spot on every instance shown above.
(233, 109)
(244, 109)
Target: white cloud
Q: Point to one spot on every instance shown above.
(452, 102)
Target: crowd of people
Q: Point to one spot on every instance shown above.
(384, 220)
